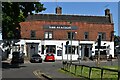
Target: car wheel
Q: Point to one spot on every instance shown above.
(40, 61)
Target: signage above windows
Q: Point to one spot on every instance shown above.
(64, 27)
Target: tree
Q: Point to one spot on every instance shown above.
(116, 40)
(15, 12)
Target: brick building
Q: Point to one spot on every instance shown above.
(48, 33)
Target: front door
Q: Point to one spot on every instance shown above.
(86, 51)
(32, 48)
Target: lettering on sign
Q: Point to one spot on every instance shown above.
(60, 27)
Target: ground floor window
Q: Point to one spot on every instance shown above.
(42, 51)
(50, 49)
(59, 52)
(68, 50)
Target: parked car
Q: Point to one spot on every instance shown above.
(36, 58)
(17, 57)
(49, 57)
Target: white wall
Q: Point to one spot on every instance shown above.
(58, 45)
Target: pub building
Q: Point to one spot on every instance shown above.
(56, 33)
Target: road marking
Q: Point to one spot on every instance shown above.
(39, 74)
(36, 73)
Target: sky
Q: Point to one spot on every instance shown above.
(81, 7)
(84, 8)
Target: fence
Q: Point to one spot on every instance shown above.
(67, 67)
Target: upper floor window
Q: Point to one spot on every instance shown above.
(86, 36)
(33, 34)
(71, 34)
(48, 35)
(102, 35)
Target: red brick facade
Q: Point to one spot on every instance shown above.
(92, 28)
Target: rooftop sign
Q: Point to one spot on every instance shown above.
(64, 27)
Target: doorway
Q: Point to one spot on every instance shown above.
(86, 51)
(32, 48)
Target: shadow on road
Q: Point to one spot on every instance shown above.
(6, 65)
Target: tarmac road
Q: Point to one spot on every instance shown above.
(33, 71)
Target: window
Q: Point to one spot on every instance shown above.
(102, 35)
(86, 35)
(59, 52)
(42, 49)
(69, 35)
(69, 50)
(48, 35)
(33, 34)
(51, 49)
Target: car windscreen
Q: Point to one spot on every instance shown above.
(35, 55)
(50, 55)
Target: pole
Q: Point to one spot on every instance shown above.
(98, 63)
(62, 52)
(79, 51)
(71, 48)
(67, 53)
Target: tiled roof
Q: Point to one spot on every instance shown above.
(72, 18)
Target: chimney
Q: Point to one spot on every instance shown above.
(58, 10)
(108, 14)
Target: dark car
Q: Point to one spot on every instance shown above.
(36, 58)
(49, 57)
(17, 57)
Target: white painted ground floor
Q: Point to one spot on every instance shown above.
(61, 50)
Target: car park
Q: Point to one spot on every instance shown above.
(49, 57)
(36, 58)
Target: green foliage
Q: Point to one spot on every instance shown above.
(15, 12)
(95, 73)
(116, 40)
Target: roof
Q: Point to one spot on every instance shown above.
(69, 18)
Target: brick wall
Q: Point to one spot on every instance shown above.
(92, 28)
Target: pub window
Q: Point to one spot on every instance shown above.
(86, 35)
(33, 34)
(59, 52)
(48, 35)
(102, 35)
(43, 48)
(69, 50)
(69, 35)
(51, 49)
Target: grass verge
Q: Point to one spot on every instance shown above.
(95, 73)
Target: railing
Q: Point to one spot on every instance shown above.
(67, 67)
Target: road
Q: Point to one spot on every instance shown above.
(32, 71)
